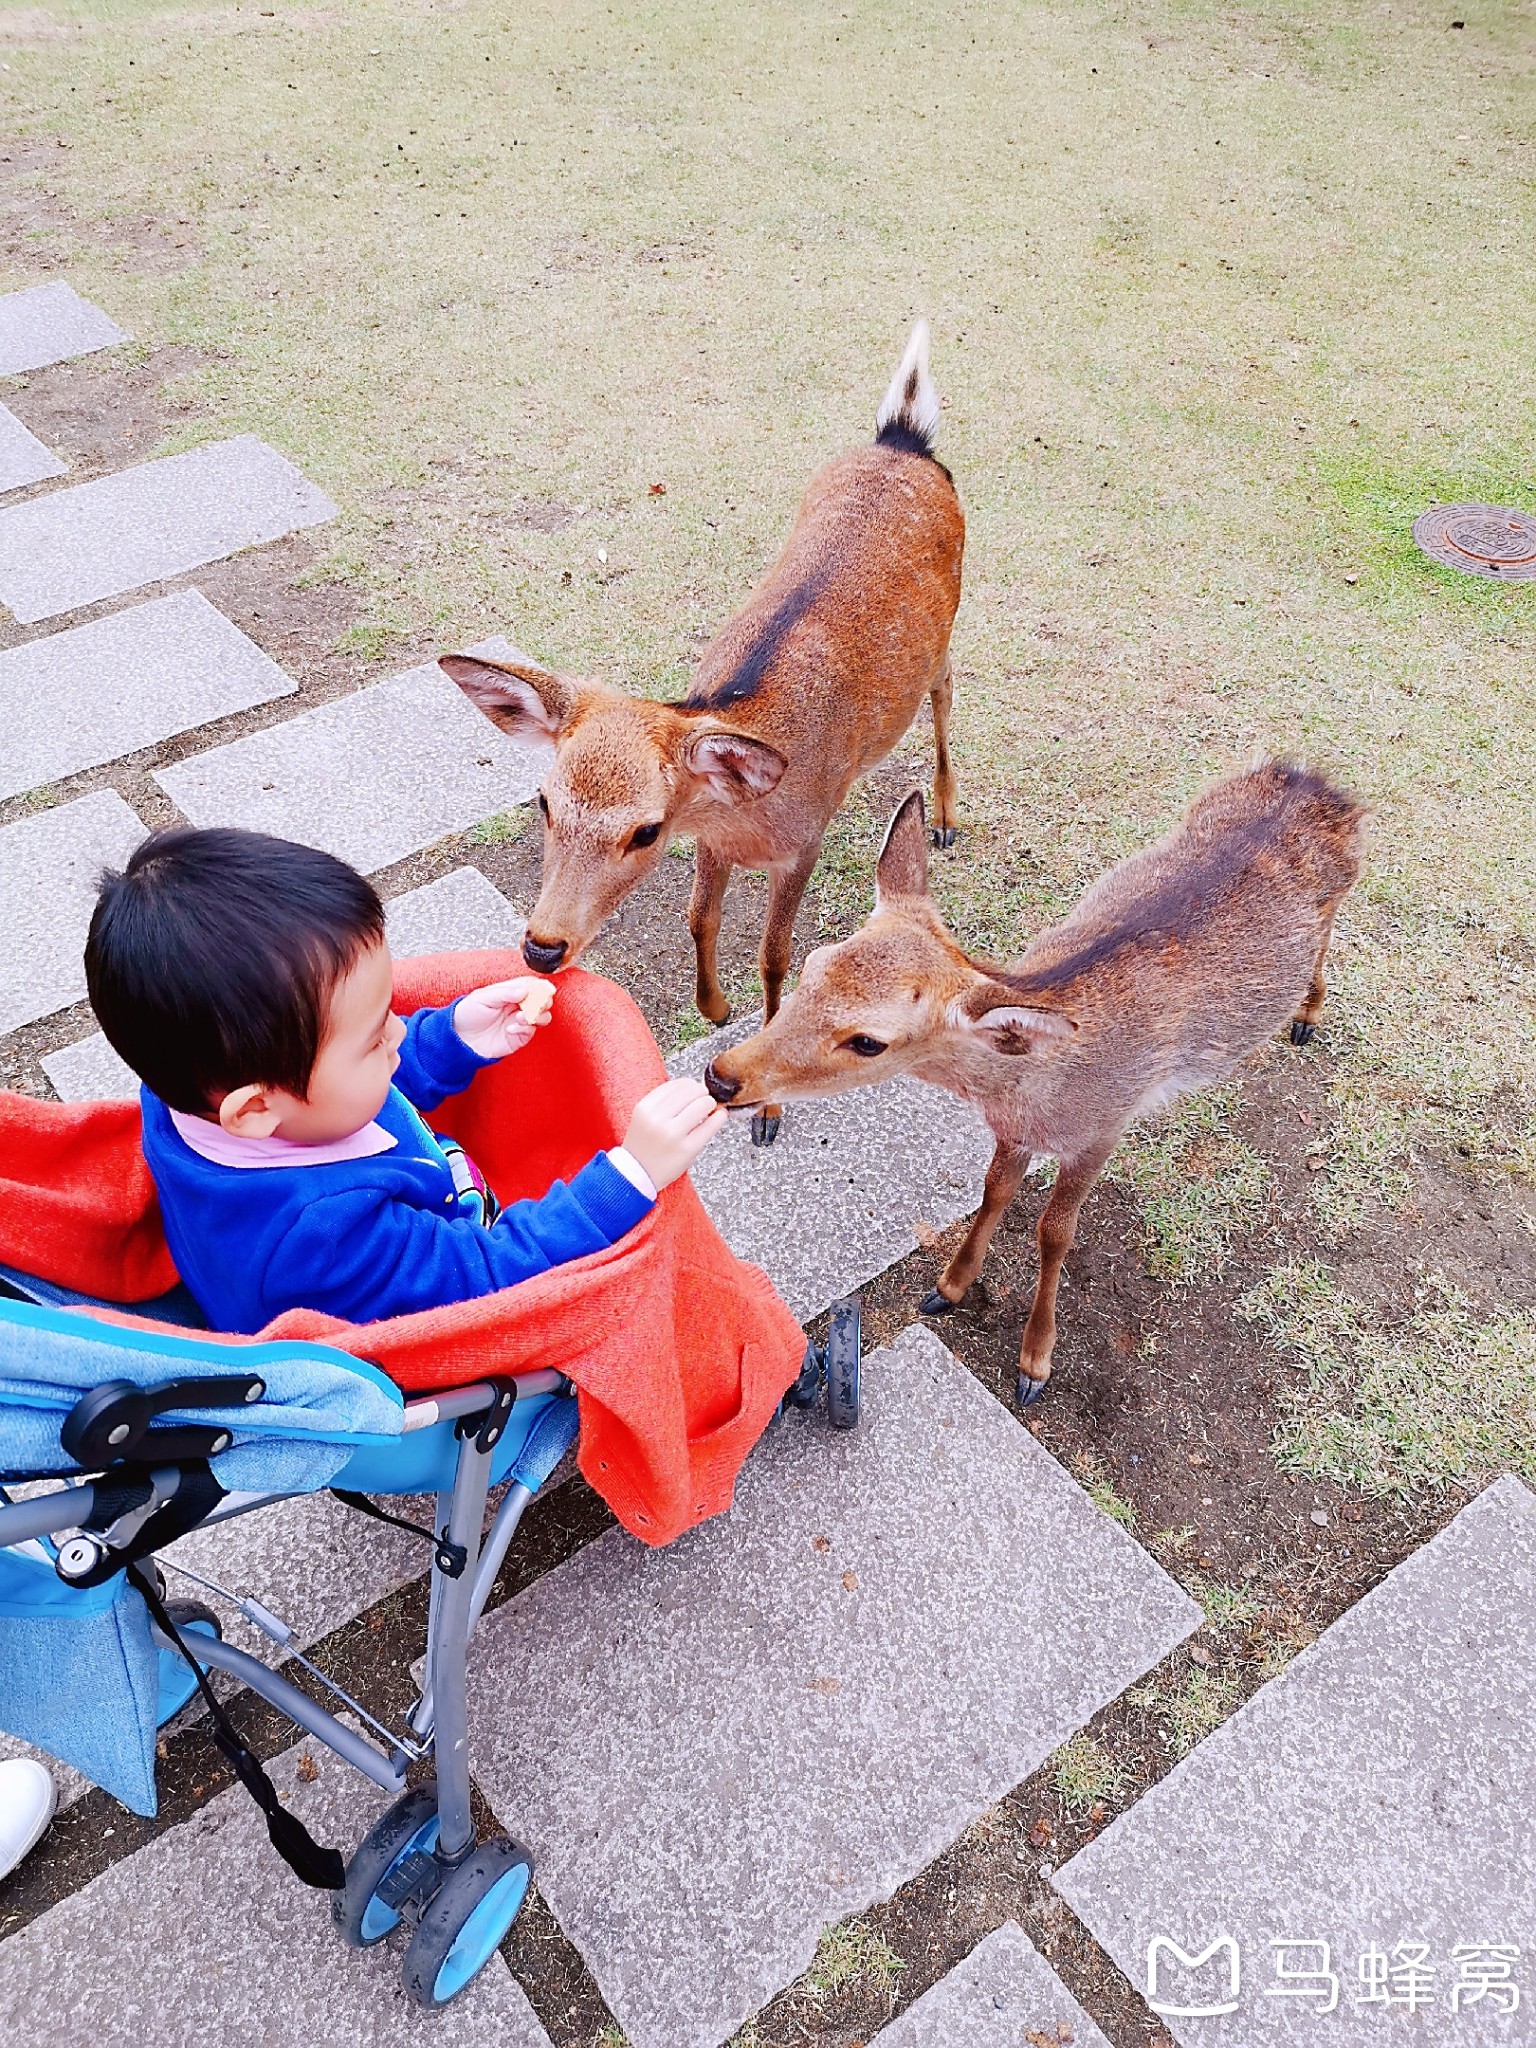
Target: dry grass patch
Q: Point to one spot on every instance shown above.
(1447, 1399)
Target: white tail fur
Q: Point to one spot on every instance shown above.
(912, 402)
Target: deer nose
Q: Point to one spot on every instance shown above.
(543, 955)
(718, 1086)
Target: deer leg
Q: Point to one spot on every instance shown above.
(1057, 1230)
(945, 820)
(786, 887)
(1304, 1023)
(1002, 1183)
(710, 875)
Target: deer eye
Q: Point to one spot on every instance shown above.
(544, 806)
(866, 1047)
(643, 836)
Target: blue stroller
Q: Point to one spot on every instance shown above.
(145, 1435)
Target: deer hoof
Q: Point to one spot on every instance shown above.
(944, 835)
(765, 1126)
(1302, 1033)
(1031, 1391)
(935, 1304)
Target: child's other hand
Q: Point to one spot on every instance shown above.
(496, 1020)
(670, 1128)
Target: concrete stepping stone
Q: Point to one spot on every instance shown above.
(460, 912)
(23, 458)
(311, 1560)
(48, 323)
(1003, 1995)
(76, 699)
(1376, 1797)
(90, 1071)
(49, 867)
(371, 777)
(99, 539)
(205, 1939)
(832, 1202)
(718, 1748)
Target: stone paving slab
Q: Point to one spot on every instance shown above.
(73, 700)
(90, 1071)
(99, 539)
(718, 1748)
(23, 458)
(460, 912)
(49, 867)
(1378, 1795)
(1004, 1995)
(311, 1560)
(832, 1202)
(371, 777)
(204, 1939)
(48, 323)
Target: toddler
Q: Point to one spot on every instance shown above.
(247, 982)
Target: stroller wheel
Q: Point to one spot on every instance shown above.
(361, 1917)
(843, 1363)
(176, 1683)
(467, 1921)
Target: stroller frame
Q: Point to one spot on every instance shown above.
(420, 1858)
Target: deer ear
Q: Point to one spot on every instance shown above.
(902, 869)
(523, 699)
(993, 1012)
(736, 768)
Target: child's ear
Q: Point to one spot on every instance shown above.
(246, 1113)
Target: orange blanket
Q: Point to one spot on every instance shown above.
(680, 1353)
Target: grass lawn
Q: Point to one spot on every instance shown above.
(1222, 296)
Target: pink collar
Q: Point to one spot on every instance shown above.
(211, 1141)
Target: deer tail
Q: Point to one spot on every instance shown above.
(909, 413)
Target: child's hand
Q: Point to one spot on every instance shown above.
(670, 1128)
(497, 1020)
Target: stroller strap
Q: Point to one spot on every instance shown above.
(320, 1868)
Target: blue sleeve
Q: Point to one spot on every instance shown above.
(365, 1255)
(434, 1061)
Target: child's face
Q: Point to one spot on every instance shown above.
(350, 1080)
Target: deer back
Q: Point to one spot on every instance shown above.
(830, 657)
(1190, 954)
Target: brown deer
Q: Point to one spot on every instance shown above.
(811, 684)
(1173, 966)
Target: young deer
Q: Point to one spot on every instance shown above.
(1175, 964)
(811, 684)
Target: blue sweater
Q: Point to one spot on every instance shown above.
(375, 1237)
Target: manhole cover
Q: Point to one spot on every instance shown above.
(1483, 540)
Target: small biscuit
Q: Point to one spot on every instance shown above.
(537, 1004)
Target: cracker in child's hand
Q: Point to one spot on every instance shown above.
(537, 1003)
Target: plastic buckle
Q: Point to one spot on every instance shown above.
(452, 1558)
(489, 1426)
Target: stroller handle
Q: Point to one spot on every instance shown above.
(22, 1521)
(467, 1400)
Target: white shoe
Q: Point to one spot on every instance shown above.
(27, 1800)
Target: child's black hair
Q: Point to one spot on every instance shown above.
(212, 957)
